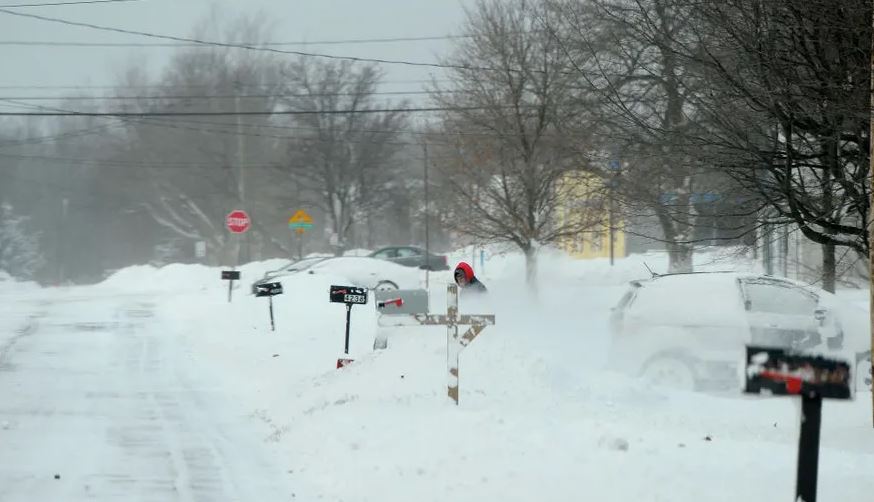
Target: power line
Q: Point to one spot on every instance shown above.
(65, 3)
(251, 113)
(248, 47)
(226, 96)
(48, 43)
(185, 86)
(57, 137)
(126, 163)
(175, 125)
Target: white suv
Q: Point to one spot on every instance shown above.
(689, 330)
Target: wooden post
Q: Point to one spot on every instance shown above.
(452, 348)
(454, 343)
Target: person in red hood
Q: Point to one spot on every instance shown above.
(466, 279)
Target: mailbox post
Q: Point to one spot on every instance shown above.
(269, 290)
(348, 295)
(230, 276)
(783, 373)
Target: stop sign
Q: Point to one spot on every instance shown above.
(238, 221)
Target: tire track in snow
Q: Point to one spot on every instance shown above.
(6, 350)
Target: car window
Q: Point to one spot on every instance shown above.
(386, 254)
(408, 252)
(779, 298)
(688, 300)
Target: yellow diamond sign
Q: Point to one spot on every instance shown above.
(300, 222)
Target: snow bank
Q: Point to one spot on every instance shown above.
(176, 277)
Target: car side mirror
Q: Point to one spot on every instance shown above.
(820, 314)
(748, 305)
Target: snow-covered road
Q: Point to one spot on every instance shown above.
(94, 406)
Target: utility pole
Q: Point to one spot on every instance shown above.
(427, 220)
(871, 209)
(62, 244)
(243, 252)
(615, 166)
(612, 227)
(784, 250)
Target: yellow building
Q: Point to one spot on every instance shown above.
(586, 196)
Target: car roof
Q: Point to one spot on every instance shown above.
(405, 246)
(718, 276)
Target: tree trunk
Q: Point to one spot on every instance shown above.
(679, 250)
(829, 267)
(680, 258)
(531, 267)
(767, 255)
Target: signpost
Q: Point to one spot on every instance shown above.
(269, 290)
(349, 295)
(230, 276)
(784, 373)
(454, 343)
(238, 221)
(300, 222)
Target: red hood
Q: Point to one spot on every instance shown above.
(468, 270)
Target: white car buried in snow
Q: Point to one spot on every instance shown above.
(361, 271)
(689, 330)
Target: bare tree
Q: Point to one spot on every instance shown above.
(345, 161)
(802, 70)
(512, 98)
(201, 168)
(624, 51)
(20, 253)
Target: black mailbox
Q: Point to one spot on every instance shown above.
(350, 295)
(781, 372)
(230, 275)
(269, 289)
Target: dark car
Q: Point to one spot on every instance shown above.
(412, 256)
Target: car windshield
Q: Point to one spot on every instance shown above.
(448, 250)
(303, 264)
(689, 300)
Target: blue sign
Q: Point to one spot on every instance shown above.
(694, 198)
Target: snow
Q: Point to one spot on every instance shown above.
(357, 252)
(172, 393)
(707, 300)
(369, 272)
(502, 261)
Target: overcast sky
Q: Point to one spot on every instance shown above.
(295, 20)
